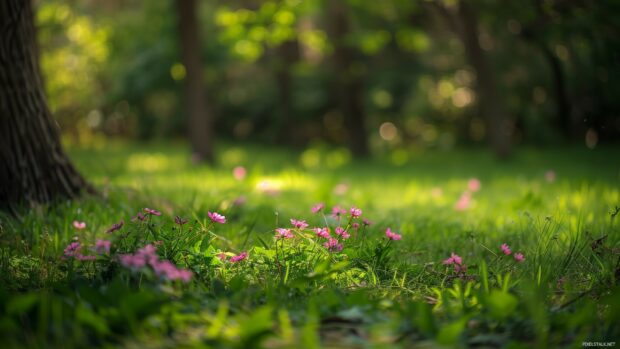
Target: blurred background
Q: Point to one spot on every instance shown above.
(386, 77)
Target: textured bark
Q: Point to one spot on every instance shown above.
(489, 101)
(348, 84)
(34, 168)
(199, 119)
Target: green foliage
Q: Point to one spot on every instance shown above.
(292, 292)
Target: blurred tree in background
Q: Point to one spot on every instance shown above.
(373, 77)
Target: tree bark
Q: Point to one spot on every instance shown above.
(199, 119)
(34, 169)
(348, 84)
(489, 101)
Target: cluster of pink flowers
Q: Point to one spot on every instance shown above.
(392, 235)
(216, 217)
(355, 212)
(74, 250)
(457, 261)
(299, 224)
(322, 232)
(464, 201)
(147, 255)
(507, 251)
(102, 246)
(333, 245)
(79, 225)
(238, 258)
(283, 233)
(340, 231)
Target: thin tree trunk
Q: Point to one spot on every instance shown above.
(199, 120)
(34, 168)
(286, 55)
(348, 84)
(489, 101)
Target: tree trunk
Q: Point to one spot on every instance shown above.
(199, 121)
(489, 102)
(285, 56)
(348, 84)
(34, 169)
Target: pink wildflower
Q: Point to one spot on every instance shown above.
(73, 249)
(299, 224)
(102, 246)
(454, 259)
(333, 245)
(342, 233)
(222, 256)
(391, 235)
(338, 211)
(131, 261)
(341, 189)
(180, 221)
(116, 227)
(366, 222)
(318, 207)
(239, 173)
(355, 212)
(216, 217)
(140, 216)
(79, 225)
(282, 233)
(322, 232)
(239, 258)
(519, 257)
(152, 212)
(473, 184)
(505, 249)
(464, 201)
(355, 225)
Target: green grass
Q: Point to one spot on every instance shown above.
(296, 294)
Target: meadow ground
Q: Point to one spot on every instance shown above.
(555, 284)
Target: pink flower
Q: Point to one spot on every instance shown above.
(366, 222)
(299, 224)
(282, 233)
(116, 227)
(464, 201)
(239, 173)
(333, 245)
(341, 189)
(318, 207)
(167, 270)
(473, 184)
(131, 261)
(140, 216)
(239, 258)
(151, 211)
(550, 176)
(79, 225)
(355, 212)
(102, 246)
(180, 221)
(342, 233)
(355, 225)
(454, 259)
(73, 249)
(391, 235)
(322, 232)
(506, 249)
(216, 217)
(338, 211)
(222, 256)
(519, 257)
